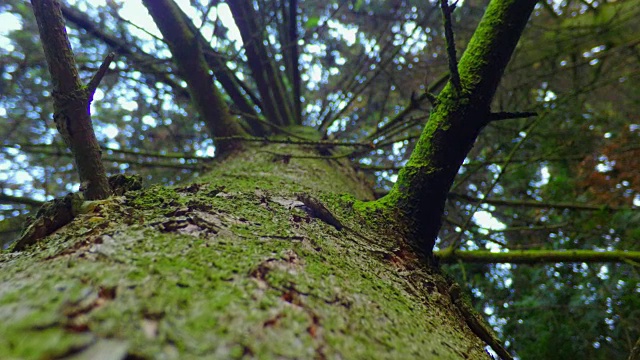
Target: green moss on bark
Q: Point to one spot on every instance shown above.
(232, 268)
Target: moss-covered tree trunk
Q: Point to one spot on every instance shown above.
(232, 265)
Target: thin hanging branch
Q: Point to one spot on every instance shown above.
(349, 79)
(321, 143)
(511, 115)
(143, 159)
(457, 241)
(360, 87)
(71, 99)
(55, 149)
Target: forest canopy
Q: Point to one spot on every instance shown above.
(565, 175)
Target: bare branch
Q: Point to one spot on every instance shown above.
(451, 45)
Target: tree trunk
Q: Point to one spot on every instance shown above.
(232, 265)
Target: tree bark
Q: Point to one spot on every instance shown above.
(232, 266)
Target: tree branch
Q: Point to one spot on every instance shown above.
(330, 118)
(538, 204)
(71, 100)
(635, 352)
(276, 104)
(413, 105)
(8, 199)
(140, 60)
(538, 256)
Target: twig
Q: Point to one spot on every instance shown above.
(290, 156)
(95, 80)
(268, 123)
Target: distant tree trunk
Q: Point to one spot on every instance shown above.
(232, 266)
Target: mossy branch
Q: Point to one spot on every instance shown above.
(420, 192)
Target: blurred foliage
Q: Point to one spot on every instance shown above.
(362, 62)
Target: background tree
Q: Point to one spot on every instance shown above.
(566, 179)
